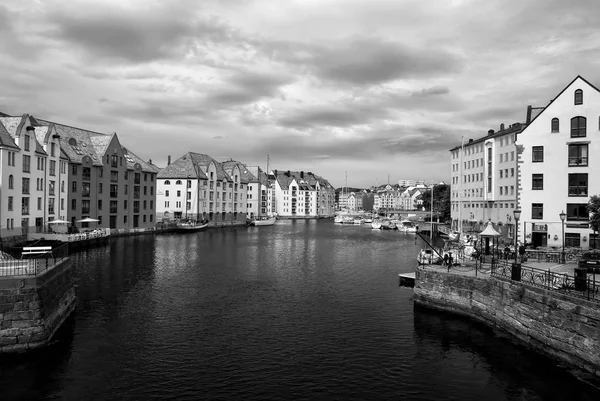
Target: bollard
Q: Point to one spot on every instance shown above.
(515, 272)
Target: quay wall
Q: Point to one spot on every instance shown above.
(33, 308)
(566, 329)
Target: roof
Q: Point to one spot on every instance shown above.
(512, 129)
(12, 125)
(76, 142)
(245, 175)
(193, 165)
(307, 181)
(557, 96)
(6, 139)
(489, 231)
(101, 143)
(203, 161)
(132, 159)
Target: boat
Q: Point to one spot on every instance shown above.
(376, 224)
(191, 225)
(357, 221)
(264, 221)
(428, 257)
(338, 219)
(388, 225)
(407, 226)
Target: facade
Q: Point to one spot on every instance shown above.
(484, 181)
(387, 200)
(300, 194)
(197, 187)
(256, 194)
(557, 168)
(354, 201)
(411, 183)
(33, 174)
(106, 181)
(409, 199)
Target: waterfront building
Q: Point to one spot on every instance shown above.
(354, 201)
(387, 199)
(300, 194)
(484, 181)
(557, 166)
(34, 172)
(257, 195)
(106, 181)
(411, 183)
(198, 187)
(409, 198)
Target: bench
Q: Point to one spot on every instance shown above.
(36, 250)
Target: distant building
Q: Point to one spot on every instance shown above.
(302, 194)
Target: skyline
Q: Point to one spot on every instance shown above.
(370, 88)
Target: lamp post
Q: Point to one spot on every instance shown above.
(517, 214)
(563, 216)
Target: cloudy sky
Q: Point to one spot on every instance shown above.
(371, 87)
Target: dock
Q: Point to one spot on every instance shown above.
(406, 280)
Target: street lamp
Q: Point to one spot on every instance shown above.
(563, 216)
(517, 214)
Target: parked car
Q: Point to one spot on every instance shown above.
(591, 261)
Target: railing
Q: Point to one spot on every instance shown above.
(582, 287)
(11, 267)
(98, 233)
(571, 255)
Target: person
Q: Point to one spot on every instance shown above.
(521, 251)
(445, 259)
(450, 259)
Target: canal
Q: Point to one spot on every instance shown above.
(300, 310)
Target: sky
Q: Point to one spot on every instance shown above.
(367, 89)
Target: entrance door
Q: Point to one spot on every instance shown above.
(136, 220)
(539, 239)
(113, 222)
(39, 225)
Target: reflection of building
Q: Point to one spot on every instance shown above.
(484, 180)
(557, 165)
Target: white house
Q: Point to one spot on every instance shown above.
(557, 168)
(301, 194)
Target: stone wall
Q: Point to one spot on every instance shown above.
(32, 309)
(562, 327)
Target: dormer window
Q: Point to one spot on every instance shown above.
(578, 97)
(555, 125)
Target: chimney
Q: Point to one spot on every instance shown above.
(528, 120)
(502, 127)
(150, 161)
(470, 140)
(169, 160)
(491, 132)
(302, 174)
(288, 173)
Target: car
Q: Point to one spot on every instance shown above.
(591, 261)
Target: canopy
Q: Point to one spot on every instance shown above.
(489, 231)
(87, 220)
(57, 221)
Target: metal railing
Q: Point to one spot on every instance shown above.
(582, 287)
(12, 267)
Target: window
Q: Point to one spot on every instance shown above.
(74, 186)
(114, 176)
(500, 173)
(113, 206)
(114, 190)
(10, 203)
(85, 206)
(52, 167)
(537, 182)
(26, 143)
(578, 155)
(167, 182)
(26, 164)
(178, 182)
(537, 211)
(99, 204)
(578, 127)
(136, 178)
(25, 186)
(178, 194)
(125, 204)
(167, 193)
(578, 96)
(577, 211)
(11, 182)
(537, 154)
(512, 172)
(572, 239)
(73, 204)
(24, 205)
(53, 149)
(85, 173)
(554, 125)
(85, 189)
(114, 160)
(74, 169)
(578, 184)
(100, 188)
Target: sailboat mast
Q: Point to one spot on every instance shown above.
(460, 180)
(267, 187)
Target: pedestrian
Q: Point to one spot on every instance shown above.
(445, 259)
(450, 259)
(521, 251)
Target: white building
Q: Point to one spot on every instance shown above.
(354, 201)
(196, 186)
(300, 194)
(484, 181)
(557, 166)
(34, 172)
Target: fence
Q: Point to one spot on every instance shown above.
(11, 266)
(540, 255)
(582, 287)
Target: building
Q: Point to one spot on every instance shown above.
(30, 154)
(354, 201)
(300, 194)
(387, 199)
(484, 181)
(257, 198)
(198, 187)
(106, 181)
(557, 168)
(409, 199)
(411, 183)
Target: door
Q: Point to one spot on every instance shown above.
(539, 239)
(113, 222)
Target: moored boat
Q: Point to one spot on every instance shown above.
(407, 226)
(428, 257)
(190, 225)
(264, 221)
(376, 224)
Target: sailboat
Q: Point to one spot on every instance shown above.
(269, 219)
(189, 225)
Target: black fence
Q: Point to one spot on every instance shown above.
(15, 263)
(580, 284)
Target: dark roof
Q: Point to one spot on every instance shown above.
(132, 159)
(512, 129)
(6, 139)
(203, 161)
(13, 124)
(77, 142)
(245, 175)
(306, 180)
(194, 165)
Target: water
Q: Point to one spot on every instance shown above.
(300, 310)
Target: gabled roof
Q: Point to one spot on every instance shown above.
(203, 161)
(182, 168)
(101, 143)
(512, 129)
(245, 175)
(76, 142)
(13, 124)
(6, 139)
(132, 159)
(560, 93)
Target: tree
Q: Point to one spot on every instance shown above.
(593, 208)
(441, 201)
